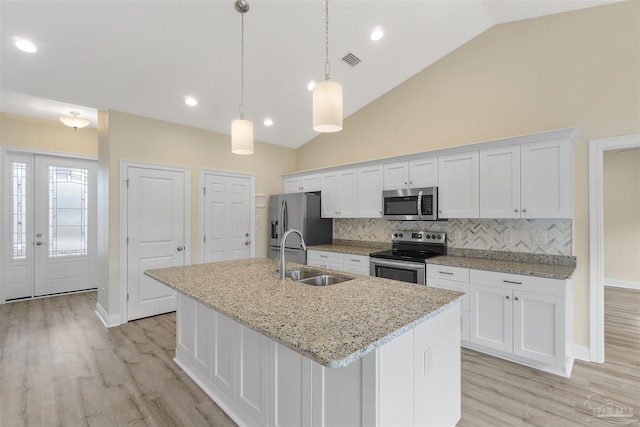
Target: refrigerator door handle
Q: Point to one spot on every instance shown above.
(285, 217)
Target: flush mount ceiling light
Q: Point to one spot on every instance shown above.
(376, 34)
(191, 101)
(327, 95)
(242, 129)
(73, 121)
(268, 122)
(26, 46)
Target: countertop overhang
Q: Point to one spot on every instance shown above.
(331, 325)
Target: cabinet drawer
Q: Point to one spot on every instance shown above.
(540, 285)
(451, 285)
(324, 257)
(357, 269)
(458, 274)
(356, 260)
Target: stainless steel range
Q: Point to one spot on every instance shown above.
(406, 261)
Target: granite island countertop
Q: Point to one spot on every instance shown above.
(332, 325)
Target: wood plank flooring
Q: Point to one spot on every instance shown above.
(59, 366)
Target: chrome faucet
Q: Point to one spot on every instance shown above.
(283, 264)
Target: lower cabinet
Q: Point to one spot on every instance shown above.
(358, 264)
(454, 279)
(522, 316)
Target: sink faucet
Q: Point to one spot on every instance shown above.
(283, 265)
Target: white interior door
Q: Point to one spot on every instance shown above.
(156, 237)
(52, 225)
(227, 217)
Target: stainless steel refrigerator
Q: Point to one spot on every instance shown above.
(300, 211)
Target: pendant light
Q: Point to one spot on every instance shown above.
(73, 121)
(327, 95)
(242, 129)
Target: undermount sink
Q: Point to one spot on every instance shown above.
(315, 277)
(324, 280)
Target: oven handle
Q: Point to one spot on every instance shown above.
(420, 204)
(399, 264)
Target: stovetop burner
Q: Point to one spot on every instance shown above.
(414, 246)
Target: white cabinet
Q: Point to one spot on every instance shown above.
(416, 173)
(523, 316)
(459, 187)
(369, 203)
(454, 279)
(304, 183)
(547, 180)
(358, 264)
(528, 181)
(500, 182)
(339, 194)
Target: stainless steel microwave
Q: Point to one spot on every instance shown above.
(413, 204)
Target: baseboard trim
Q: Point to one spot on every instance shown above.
(108, 320)
(626, 284)
(582, 352)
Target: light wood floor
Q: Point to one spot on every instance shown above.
(60, 367)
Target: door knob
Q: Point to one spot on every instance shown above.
(247, 243)
(38, 243)
(246, 235)
(179, 248)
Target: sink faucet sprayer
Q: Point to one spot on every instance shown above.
(283, 265)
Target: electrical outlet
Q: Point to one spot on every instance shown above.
(538, 238)
(507, 236)
(458, 235)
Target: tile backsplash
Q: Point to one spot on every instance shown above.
(542, 236)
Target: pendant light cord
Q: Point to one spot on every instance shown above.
(242, 67)
(327, 65)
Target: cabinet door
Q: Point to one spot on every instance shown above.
(538, 327)
(185, 327)
(223, 369)
(311, 183)
(459, 188)
(546, 180)
(347, 193)
(423, 172)
(490, 313)
(396, 175)
(329, 195)
(202, 349)
(370, 192)
(500, 182)
(292, 185)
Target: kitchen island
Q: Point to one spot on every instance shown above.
(367, 351)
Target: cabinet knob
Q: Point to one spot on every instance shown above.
(405, 183)
(524, 210)
(515, 210)
(507, 296)
(515, 298)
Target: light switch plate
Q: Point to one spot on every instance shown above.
(538, 238)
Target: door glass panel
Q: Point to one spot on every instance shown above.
(19, 212)
(68, 211)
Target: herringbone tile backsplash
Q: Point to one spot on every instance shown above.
(548, 236)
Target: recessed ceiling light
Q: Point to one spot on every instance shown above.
(26, 46)
(311, 85)
(376, 34)
(268, 122)
(190, 101)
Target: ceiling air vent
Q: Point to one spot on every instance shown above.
(351, 59)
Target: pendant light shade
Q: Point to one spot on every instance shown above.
(242, 129)
(327, 95)
(242, 136)
(327, 107)
(73, 121)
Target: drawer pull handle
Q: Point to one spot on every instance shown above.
(324, 256)
(512, 282)
(445, 272)
(354, 260)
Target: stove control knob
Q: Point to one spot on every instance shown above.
(433, 236)
(427, 236)
(395, 235)
(439, 237)
(400, 234)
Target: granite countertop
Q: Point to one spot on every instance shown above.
(344, 249)
(332, 325)
(539, 269)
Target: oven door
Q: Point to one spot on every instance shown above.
(405, 271)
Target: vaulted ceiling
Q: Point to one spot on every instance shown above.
(146, 57)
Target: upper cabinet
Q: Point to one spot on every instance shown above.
(415, 173)
(303, 184)
(352, 193)
(459, 188)
(369, 192)
(526, 181)
(546, 180)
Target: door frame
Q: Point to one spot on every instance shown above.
(597, 147)
(5, 179)
(124, 165)
(252, 206)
